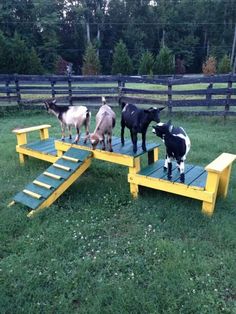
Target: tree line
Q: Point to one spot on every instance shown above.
(115, 36)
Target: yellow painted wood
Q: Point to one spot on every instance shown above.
(70, 158)
(156, 154)
(52, 198)
(133, 170)
(167, 186)
(212, 187)
(22, 158)
(32, 153)
(21, 139)
(35, 195)
(61, 167)
(11, 204)
(116, 158)
(51, 175)
(44, 134)
(44, 185)
(220, 163)
(31, 129)
(224, 181)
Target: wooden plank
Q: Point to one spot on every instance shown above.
(62, 167)
(27, 200)
(67, 163)
(77, 153)
(220, 163)
(39, 183)
(38, 190)
(31, 129)
(200, 181)
(49, 180)
(52, 175)
(61, 173)
(70, 158)
(147, 171)
(32, 194)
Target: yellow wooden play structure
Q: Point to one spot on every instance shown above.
(69, 161)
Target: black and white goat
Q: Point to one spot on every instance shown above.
(137, 121)
(177, 145)
(105, 122)
(68, 116)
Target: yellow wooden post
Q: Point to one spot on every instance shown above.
(21, 140)
(211, 186)
(134, 170)
(44, 134)
(224, 181)
(156, 152)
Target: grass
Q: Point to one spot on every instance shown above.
(98, 251)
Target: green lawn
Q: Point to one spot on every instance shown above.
(96, 250)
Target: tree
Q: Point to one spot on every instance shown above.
(164, 62)
(146, 63)
(34, 63)
(122, 63)
(224, 65)
(91, 63)
(209, 67)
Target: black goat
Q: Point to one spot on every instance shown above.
(137, 121)
(177, 145)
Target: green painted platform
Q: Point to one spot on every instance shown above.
(195, 176)
(43, 146)
(34, 203)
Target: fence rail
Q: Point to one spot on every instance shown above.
(214, 92)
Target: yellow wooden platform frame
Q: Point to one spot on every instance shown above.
(218, 171)
(218, 176)
(24, 152)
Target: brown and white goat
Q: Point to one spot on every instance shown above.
(105, 122)
(68, 116)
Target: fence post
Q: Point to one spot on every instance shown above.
(18, 95)
(7, 90)
(209, 94)
(53, 89)
(228, 97)
(121, 84)
(69, 89)
(169, 97)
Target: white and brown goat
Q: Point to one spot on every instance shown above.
(105, 122)
(68, 116)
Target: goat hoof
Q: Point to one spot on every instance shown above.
(165, 169)
(70, 137)
(144, 149)
(169, 177)
(62, 139)
(111, 150)
(182, 178)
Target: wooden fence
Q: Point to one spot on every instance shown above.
(207, 95)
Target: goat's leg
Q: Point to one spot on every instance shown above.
(86, 131)
(144, 141)
(181, 169)
(77, 136)
(109, 139)
(169, 168)
(122, 132)
(63, 131)
(69, 129)
(165, 164)
(103, 143)
(134, 140)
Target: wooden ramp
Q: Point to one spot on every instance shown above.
(47, 187)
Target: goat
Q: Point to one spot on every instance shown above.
(68, 116)
(105, 122)
(137, 121)
(177, 145)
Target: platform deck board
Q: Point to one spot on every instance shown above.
(43, 146)
(194, 175)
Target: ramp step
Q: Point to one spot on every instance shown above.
(50, 181)
(77, 153)
(39, 190)
(30, 193)
(39, 183)
(70, 158)
(61, 167)
(69, 164)
(54, 176)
